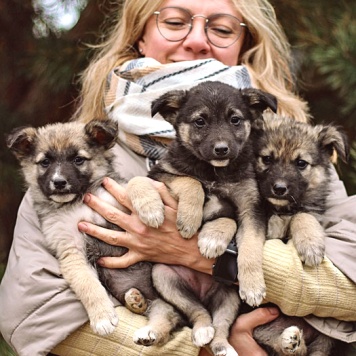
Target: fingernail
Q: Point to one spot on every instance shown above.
(273, 311)
(86, 198)
(105, 180)
(83, 227)
(100, 262)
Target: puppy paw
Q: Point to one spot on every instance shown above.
(190, 195)
(291, 339)
(223, 349)
(147, 336)
(203, 335)
(253, 297)
(310, 246)
(215, 236)
(188, 222)
(252, 291)
(146, 201)
(210, 246)
(308, 238)
(104, 323)
(151, 213)
(135, 301)
(312, 255)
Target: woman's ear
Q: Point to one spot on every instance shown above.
(141, 45)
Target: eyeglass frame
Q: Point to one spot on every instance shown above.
(157, 13)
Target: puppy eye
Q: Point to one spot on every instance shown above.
(200, 122)
(79, 160)
(267, 159)
(45, 163)
(301, 164)
(235, 120)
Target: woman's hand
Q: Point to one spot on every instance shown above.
(242, 330)
(145, 243)
(241, 338)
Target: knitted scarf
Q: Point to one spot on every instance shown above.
(132, 87)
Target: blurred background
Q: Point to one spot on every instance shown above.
(44, 47)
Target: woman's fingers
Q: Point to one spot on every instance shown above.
(111, 237)
(117, 191)
(166, 197)
(123, 261)
(107, 211)
(144, 243)
(247, 322)
(241, 335)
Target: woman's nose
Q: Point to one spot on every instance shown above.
(197, 41)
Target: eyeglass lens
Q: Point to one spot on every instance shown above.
(175, 23)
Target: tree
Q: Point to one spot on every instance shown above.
(38, 83)
(323, 40)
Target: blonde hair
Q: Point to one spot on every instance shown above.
(266, 54)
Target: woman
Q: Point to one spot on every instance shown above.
(39, 310)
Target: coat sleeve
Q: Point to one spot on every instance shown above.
(340, 226)
(38, 309)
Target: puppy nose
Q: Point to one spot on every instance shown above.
(59, 183)
(221, 149)
(280, 189)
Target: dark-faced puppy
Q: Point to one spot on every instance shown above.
(293, 172)
(60, 163)
(209, 170)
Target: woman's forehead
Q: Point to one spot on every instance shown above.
(204, 7)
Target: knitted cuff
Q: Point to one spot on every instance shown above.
(301, 290)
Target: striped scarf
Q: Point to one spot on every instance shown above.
(132, 87)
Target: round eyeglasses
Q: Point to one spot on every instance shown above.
(175, 24)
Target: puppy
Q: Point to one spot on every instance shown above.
(60, 163)
(292, 163)
(209, 170)
(293, 170)
(293, 336)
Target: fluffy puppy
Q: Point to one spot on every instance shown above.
(293, 172)
(292, 163)
(60, 163)
(209, 170)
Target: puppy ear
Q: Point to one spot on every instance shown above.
(258, 124)
(331, 139)
(22, 141)
(257, 129)
(259, 101)
(168, 105)
(101, 132)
